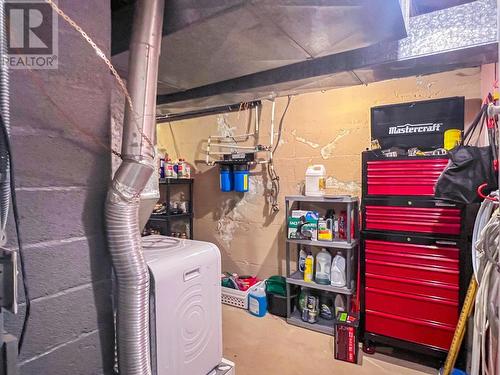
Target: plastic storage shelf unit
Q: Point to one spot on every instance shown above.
(163, 222)
(348, 247)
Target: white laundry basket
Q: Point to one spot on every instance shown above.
(236, 298)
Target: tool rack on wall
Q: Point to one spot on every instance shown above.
(163, 222)
(415, 263)
(348, 247)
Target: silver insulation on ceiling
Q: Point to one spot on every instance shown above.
(217, 40)
(457, 37)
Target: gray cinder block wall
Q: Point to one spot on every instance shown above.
(62, 176)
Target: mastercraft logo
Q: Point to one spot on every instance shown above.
(31, 35)
(430, 127)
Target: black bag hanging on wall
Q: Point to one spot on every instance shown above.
(469, 167)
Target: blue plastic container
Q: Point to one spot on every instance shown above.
(257, 300)
(226, 178)
(241, 182)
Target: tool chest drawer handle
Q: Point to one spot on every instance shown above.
(448, 243)
(445, 204)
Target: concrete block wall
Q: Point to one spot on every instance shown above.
(330, 128)
(59, 120)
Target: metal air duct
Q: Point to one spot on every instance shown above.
(122, 204)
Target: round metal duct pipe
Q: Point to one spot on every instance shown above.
(122, 204)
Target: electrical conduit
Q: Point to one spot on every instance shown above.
(122, 204)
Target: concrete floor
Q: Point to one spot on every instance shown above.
(270, 346)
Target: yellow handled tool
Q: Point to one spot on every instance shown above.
(458, 336)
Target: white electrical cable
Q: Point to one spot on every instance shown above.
(485, 262)
(483, 216)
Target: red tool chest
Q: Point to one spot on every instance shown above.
(413, 256)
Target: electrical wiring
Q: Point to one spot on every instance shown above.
(271, 170)
(483, 216)
(111, 67)
(280, 125)
(486, 270)
(6, 141)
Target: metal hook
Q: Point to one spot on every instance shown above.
(482, 195)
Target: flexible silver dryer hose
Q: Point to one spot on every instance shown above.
(5, 107)
(122, 204)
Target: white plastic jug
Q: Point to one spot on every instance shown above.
(323, 267)
(315, 180)
(338, 271)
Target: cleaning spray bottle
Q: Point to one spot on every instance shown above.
(309, 268)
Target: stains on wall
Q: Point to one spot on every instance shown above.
(330, 128)
(223, 127)
(303, 140)
(353, 187)
(233, 213)
(327, 151)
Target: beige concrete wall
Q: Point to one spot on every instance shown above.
(330, 128)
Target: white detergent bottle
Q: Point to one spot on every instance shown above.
(338, 271)
(323, 267)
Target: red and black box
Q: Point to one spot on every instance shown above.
(346, 337)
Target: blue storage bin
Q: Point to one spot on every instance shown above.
(241, 182)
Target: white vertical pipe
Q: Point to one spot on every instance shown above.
(256, 108)
(273, 110)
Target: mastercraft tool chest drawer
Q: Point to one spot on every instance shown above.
(414, 282)
(430, 217)
(403, 177)
(427, 333)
